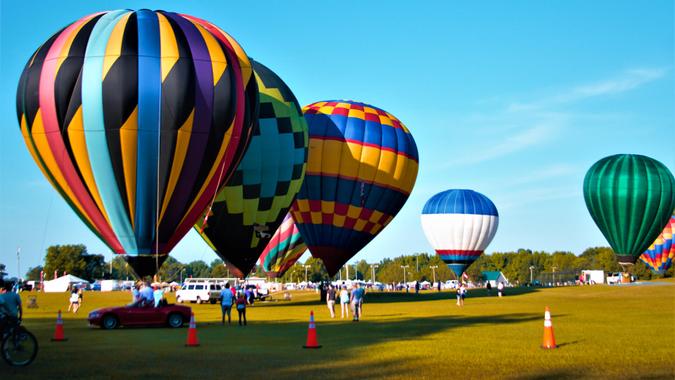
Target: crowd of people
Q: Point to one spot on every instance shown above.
(240, 298)
(145, 295)
(351, 299)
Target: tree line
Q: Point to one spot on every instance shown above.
(518, 267)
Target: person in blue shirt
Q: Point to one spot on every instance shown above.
(226, 301)
(157, 295)
(357, 301)
(147, 296)
(10, 305)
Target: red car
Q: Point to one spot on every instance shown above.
(112, 317)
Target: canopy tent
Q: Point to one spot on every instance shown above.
(62, 283)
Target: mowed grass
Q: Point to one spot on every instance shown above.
(602, 332)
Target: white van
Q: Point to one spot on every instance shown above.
(199, 291)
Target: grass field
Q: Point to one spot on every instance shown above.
(602, 331)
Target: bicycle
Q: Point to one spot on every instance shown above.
(19, 346)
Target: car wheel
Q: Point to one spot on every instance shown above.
(213, 302)
(175, 320)
(199, 300)
(109, 322)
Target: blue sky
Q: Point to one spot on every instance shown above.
(515, 100)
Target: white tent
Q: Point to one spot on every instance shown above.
(62, 283)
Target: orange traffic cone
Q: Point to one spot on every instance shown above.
(311, 333)
(549, 339)
(192, 340)
(58, 332)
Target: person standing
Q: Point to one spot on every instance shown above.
(74, 301)
(488, 286)
(417, 287)
(356, 298)
(330, 300)
(241, 307)
(500, 289)
(439, 285)
(344, 302)
(226, 300)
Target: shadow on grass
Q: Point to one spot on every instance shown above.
(258, 350)
(424, 296)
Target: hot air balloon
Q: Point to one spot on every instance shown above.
(659, 256)
(252, 205)
(284, 249)
(136, 118)
(459, 225)
(630, 198)
(362, 166)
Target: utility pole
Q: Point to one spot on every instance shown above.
(405, 281)
(356, 272)
(372, 268)
(531, 275)
(347, 271)
(306, 267)
(433, 270)
(417, 262)
(554, 268)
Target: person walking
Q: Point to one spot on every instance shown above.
(356, 298)
(74, 301)
(241, 307)
(463, 291)
(330, 300)
(344, 302)
(417, 287)
(500, 289)
(488, 286)
(226, 301)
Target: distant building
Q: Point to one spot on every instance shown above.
(494, 277)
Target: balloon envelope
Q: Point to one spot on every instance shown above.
(254, 202)
(135, 118)
(284, 249)
(362, 166)
(659, 256)
(459, 225)
(630, 198)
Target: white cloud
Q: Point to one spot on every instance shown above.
(626, 81)
(537, 134)
(523, 125)
(544, 174)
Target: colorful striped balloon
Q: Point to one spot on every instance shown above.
(362, 166)
(284, 249)
(659, 256)
(459, 225)
(254, 202)
(136, 118)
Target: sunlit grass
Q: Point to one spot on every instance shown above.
(603, 332)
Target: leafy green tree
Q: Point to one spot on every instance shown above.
(171, 270)
(121, 269)
(197, 268)
(74, 259)
(33, 273)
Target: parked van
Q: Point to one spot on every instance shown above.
(200, 290)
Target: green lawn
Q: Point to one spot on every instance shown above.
(603, 332)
